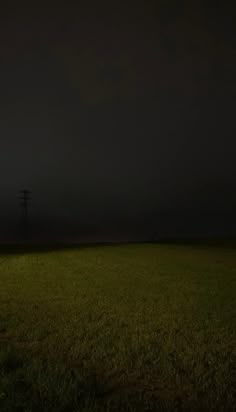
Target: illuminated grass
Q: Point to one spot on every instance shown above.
(118, 328)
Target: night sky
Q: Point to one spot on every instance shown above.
(119, 117)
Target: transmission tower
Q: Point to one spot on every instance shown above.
(25, 197)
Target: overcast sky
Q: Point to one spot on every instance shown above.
(114, 113)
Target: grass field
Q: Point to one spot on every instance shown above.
(142, 327)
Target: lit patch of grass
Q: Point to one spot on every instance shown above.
(131, 328)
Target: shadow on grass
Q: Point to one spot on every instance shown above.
(29, 384)
(36, 385)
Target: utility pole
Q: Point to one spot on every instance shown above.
(25, 197)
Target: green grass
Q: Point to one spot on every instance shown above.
(118, 328)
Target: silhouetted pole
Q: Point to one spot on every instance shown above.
(25, 197)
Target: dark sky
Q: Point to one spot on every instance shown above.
(119, 114)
